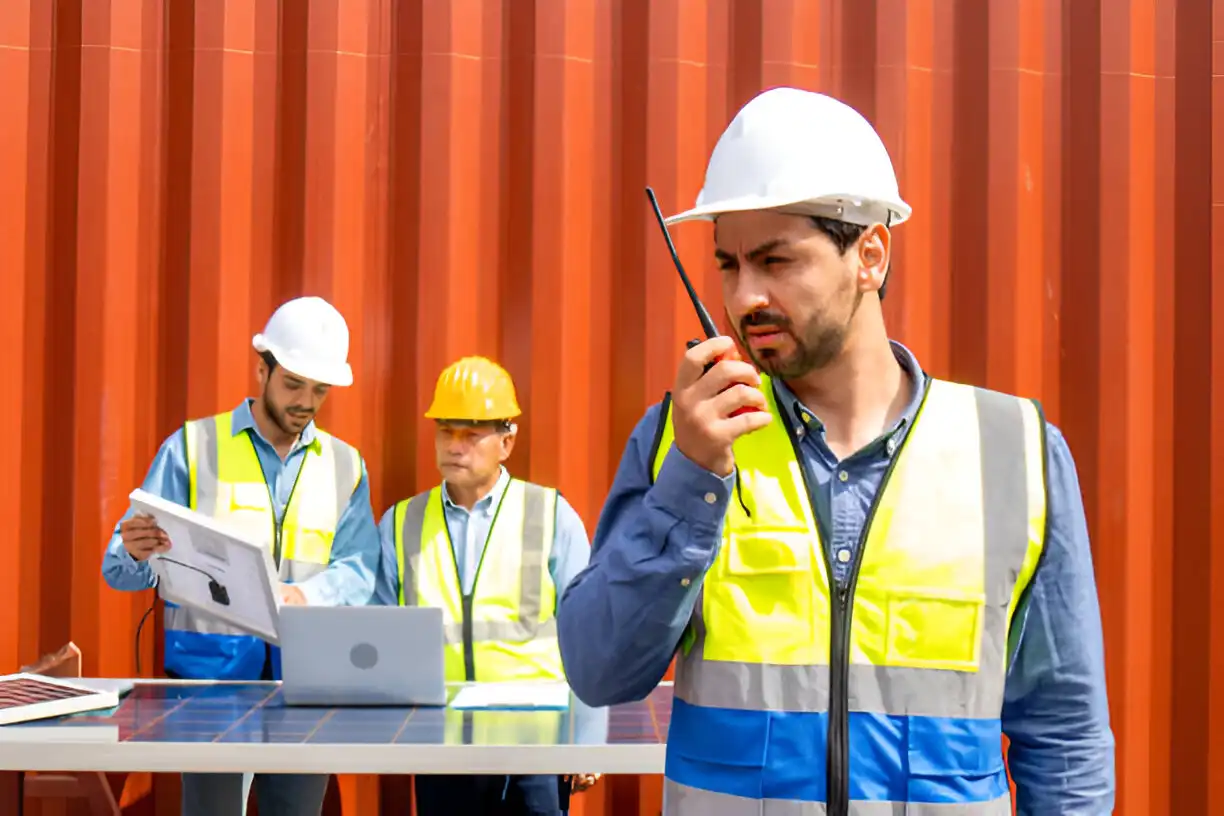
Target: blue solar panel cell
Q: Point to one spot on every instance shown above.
(256, 713)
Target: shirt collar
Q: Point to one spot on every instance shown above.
(491, 499)
(800, 416)
(244, 420)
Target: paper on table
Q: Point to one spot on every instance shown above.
(521, 695)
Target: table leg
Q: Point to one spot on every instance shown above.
(12, 798)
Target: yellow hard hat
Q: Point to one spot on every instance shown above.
(475, 389)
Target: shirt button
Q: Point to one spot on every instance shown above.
(842, 476)
(710, 498)
(799, 432)
(891, 446)
(685, 582)
(843, 555)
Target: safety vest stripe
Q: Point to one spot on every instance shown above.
(534, 536)
(410, 554)
(483, 630)
(201, 439)
(348, 472)
(680, 799)
(754, 686)
(185, 620)
(535, 498)
(1005, 475)
(893, 758)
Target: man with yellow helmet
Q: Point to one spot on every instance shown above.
(495, 553)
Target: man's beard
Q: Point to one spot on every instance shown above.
(815, 348)
(811, 353)
(281, 417)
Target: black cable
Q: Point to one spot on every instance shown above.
(205, 573)
(220, 594)
(139, 627)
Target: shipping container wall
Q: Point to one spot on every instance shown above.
(467, 177)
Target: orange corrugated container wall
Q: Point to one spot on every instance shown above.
(467, 177)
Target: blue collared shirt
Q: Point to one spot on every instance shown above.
(469, 531)
(348, 579)
(622, 618)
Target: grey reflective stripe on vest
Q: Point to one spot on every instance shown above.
(681, 800)
(345, 457)
(903, 690)
(204, 440)
(511, 631)
(185, 620)
(528, 626)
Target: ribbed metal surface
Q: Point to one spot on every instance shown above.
(466, 177)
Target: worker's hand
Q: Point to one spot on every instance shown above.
(291, 595)
(142, 537)
(580, 782)
(702, 404)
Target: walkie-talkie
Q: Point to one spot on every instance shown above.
(707, 323)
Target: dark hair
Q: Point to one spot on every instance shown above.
(843, 235)
(269, 360)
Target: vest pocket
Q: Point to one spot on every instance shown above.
(936, 629)
(955, 760)
(718, 749)
(761, 607)
(248, 497)
(781, 552)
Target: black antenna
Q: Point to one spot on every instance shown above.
(707, 324)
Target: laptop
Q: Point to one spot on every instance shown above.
(362, 655)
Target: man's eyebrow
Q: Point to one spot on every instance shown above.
(763, 249)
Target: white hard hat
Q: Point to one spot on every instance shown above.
(801, 152)
(309, 337)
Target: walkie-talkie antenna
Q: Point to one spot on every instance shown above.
(707, 323)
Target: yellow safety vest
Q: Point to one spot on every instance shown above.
(227, 483)
(887, 694)
(504, 630)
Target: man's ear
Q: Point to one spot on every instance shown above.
(874, 250)
(507, 442)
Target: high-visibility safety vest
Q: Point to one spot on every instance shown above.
(228, 484)
(795, 697)
(504, 629)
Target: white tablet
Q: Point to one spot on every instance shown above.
(212, 569)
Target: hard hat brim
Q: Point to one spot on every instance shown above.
(337, 374)
(840, 208)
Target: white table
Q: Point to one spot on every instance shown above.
(191, 726)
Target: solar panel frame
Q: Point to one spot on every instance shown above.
(38, 697)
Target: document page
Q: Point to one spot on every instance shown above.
(212, 569)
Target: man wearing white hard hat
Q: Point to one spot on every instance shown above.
(266, 467)
(870, 576)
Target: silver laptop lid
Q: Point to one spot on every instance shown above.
(362, 655)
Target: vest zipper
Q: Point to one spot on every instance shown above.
(840, 620)
(278, 522)
(467, 599)
(839, 667)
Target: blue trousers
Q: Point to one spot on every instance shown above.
(447, 795)
(206, 794)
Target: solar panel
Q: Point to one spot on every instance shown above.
(256, 713)
(25, 697)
